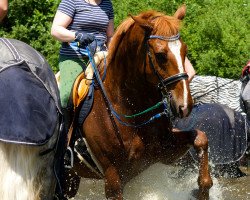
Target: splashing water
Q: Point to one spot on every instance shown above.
(158, 182)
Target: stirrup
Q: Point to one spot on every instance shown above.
(80, 146)
(68, 158)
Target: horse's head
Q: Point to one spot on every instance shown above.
(147, 48)
(165, 57)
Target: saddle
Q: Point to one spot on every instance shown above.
(82, 83)
(80, 90)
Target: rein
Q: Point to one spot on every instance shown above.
(118, 116)
(162, 85)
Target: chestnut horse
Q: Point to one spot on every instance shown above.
(144, 67)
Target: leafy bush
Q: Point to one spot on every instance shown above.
(30, 22)
(216, 31)
(217, 34)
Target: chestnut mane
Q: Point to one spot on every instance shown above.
(159, 24)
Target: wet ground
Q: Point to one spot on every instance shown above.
(161, 182)
(237, 188)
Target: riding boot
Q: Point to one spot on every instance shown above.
(67, 118)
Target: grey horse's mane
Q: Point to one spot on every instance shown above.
(212, 89)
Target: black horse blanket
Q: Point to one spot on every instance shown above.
(29, 97)
(225, 128)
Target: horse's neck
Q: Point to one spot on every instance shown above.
(129, 89)
(125, 80)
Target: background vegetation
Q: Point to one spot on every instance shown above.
(217, 31)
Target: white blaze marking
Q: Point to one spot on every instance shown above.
(175, 48)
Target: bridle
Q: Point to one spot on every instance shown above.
(163, 83)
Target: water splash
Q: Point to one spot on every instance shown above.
(158, 182)
(161, 182)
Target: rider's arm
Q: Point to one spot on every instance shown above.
(110, 31)
(189, 69)
(59, 28)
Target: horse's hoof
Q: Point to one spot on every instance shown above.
(194, 194)
(197, 194)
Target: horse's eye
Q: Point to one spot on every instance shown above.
(161, 57)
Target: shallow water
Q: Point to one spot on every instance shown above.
(161, 182)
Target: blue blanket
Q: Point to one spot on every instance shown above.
(28, 112)
(225, 128)
(29, 97)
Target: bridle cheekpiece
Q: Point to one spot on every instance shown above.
(163, 83)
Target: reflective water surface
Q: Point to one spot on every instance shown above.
(161, 182)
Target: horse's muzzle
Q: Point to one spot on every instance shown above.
(180, 110)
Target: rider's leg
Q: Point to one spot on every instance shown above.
(69, 68)
(247, 107)
(246, 99)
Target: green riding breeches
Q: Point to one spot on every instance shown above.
(69, 68)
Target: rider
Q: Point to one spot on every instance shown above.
(245, 93)
(79, 23)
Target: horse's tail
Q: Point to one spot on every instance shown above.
(18, 168)
(25, 174)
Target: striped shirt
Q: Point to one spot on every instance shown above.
(86, 17)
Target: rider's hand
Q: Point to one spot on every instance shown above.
(84, 38)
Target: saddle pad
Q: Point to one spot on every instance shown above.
(28, 111)
(86, 107)
(225, 128)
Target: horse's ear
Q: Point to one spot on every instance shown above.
(142, 22)
(181, 12)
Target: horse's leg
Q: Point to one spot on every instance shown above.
(113, 184)
(200, 142)
(204, 179)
